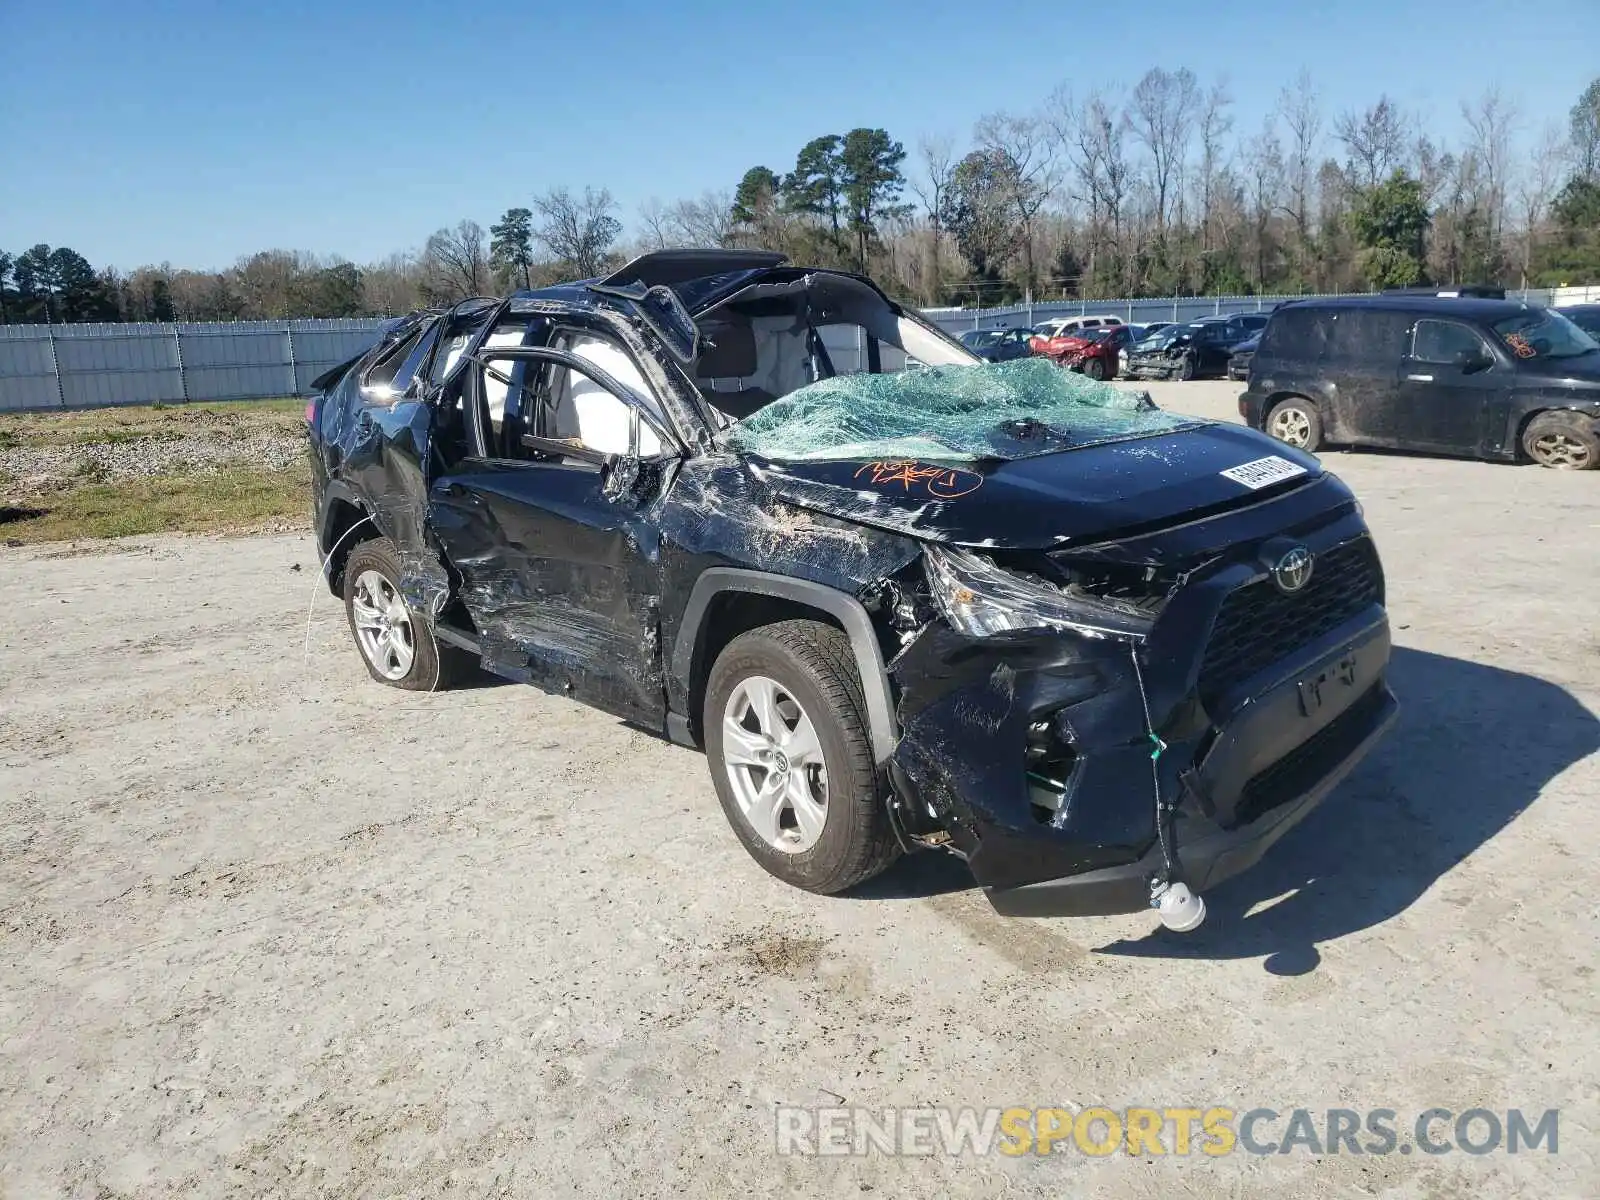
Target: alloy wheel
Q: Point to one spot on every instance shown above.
(1557, 449)
(774, 762)
(1291, 426)
(383, 626)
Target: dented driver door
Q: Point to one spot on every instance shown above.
(559, 564)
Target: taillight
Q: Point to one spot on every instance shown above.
(311, 411)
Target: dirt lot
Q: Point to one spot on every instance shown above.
(268, 928)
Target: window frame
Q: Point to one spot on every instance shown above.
(1449, 323)
(478, 425)
(399, 354)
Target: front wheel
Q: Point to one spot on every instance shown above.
(1296, 422)
(786, 739)
(1563, 441)
(1094, 368)
(1186, 372)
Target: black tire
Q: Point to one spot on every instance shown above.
(1186, 372)
(1562, 441)
(814, 664)
(1094, 368)
(1282, 411)
(433, 666)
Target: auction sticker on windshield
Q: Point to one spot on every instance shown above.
(1262, 471)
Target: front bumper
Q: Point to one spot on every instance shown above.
(1207, 852)
(1247, 755)
(1153, 368)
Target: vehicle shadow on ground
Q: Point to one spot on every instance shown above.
(917, 877)
(1474, 746)
(476, 678)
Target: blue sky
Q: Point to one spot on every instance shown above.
(196, 132)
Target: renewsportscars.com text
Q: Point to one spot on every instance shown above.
(1212, 1131)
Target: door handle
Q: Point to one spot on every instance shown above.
(1420, 378)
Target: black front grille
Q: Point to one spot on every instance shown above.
(1300, 770)
(1259, 624)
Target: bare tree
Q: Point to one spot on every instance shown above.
(937, 153)
(456, 262)
(1092, 137)
(1298, 106)
(707, 221)
(1031, 172)
(1375, 141)
(1215, 123)
(1430, 165)
(654, 231)
(392, 285)
(1162, 112)
(578, 230)
(1540, 175)
(1491, 121)
(1264, 175)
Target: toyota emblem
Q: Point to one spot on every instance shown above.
(1293, 571)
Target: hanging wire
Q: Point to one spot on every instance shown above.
(1158, 748)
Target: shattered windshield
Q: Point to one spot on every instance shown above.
(950, 413)
(1541, 334)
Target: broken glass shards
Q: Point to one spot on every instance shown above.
(954, 413)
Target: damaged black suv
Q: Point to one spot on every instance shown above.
(902, 599)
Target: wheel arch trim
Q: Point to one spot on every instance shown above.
(846, 609)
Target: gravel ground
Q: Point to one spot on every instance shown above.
(218, 439)
(270, 929)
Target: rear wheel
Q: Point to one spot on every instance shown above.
(398, 647)
(1563, 441)
(1295, 422)
(786, 739)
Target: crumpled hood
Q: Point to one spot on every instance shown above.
(1076, 495)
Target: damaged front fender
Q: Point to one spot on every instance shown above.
(1032, 750)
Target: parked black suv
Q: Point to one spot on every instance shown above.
(1585, 316)
(900, 597)
(1243, 353)
(998, 345)
(1493, 379)
(1199, 350)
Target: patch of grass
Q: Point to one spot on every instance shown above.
(159, 422)
(220, 502)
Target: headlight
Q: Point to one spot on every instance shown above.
(980, 599)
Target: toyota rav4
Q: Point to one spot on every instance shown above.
(902, 599)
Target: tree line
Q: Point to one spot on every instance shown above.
(1149, 190)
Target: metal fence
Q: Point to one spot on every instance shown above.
(1135, 312)
(99, 366)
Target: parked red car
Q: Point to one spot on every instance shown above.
(1092, 351)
